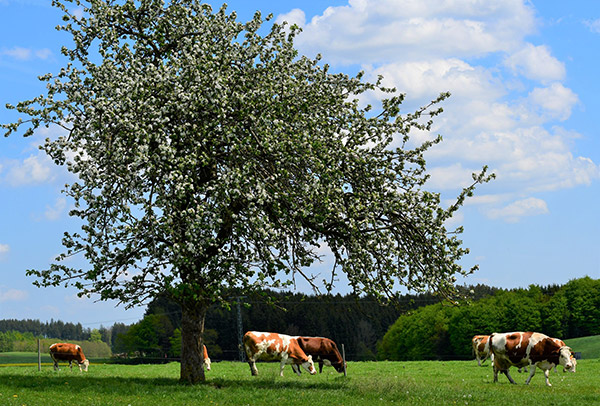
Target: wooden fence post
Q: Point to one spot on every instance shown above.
(344, 359)
(39, 355)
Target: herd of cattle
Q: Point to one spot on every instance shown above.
(519, 349)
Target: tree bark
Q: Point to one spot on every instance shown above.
(192, 339)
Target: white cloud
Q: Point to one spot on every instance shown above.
(383, 31)
(35, 169)
(556, 100)
(425, 79)
(13, 295)
(513, 212)
(296, 16)
(526, 159)
(54, 212)
(536, 63)
(450, 177)
(27, 54)
(19, 53)
(43, 54)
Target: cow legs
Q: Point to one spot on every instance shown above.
(284, 359)
(320, 366)
(530, 375)
(296, 369)
(509, 377)
(505, 372)
(546, 374)
(253, 369)
(56, 368)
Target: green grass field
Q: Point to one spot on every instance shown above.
(589, 347)
(23, 358)
(230, 383)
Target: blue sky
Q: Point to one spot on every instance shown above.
(524, 83)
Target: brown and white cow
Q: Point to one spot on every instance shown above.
(68, 352)
(323, 350)
(275, 347)
(531, 349)
(206, 360)
(481, 348)
(573, 359)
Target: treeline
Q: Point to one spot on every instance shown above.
(356, 322)
(416, 327)
(53, 328)
(26, 342)
(438, 332)
(13, 333)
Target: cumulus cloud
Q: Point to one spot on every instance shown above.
(508, 102)
(536, 63)
(450, 177)
(425, 79)
(556, 100)
(513, 212)
(296, 16)
(383, 31)
(35, 169)
(13, 295)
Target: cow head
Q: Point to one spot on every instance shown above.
(573, 361)
(565, 359)
(207, 363)
(309, 365)
(85, 364)
(339, 366)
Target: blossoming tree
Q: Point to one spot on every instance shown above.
(211, 157)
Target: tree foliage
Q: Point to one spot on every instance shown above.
(210, 157)
(443, 332)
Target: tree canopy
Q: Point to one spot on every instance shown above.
(211, 157)
(445, 332)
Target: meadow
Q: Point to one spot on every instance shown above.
(230, 383)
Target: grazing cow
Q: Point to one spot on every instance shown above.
(206, 359)
(68, 352)
(528, 349)
(322, 350)
(275, 347)
(481, 349)
(573, 359)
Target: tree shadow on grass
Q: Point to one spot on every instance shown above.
(85, 383)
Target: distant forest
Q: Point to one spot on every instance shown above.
(416, 327)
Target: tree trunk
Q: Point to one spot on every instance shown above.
(192, 339)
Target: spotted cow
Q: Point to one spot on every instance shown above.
(68, 352)
(206, 360)
(481, 348)
(275, 347)
(521, 349)
(323, 350)
(573, 359)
